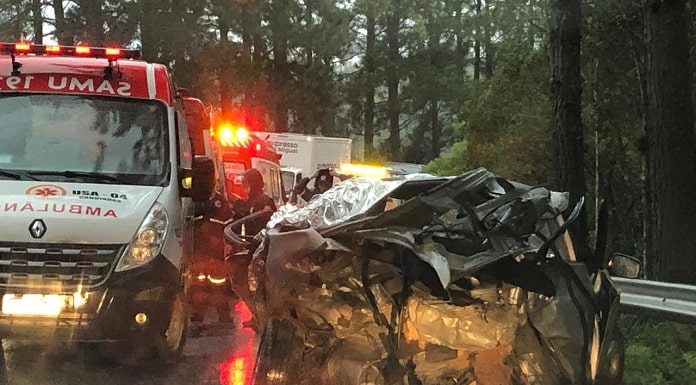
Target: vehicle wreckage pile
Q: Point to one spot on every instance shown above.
(426, 280)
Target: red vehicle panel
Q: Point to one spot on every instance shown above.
(70, 75)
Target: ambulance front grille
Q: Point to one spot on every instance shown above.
(60, 266)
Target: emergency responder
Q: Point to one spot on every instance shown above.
(209, 251)
(252, 182)
(323, 181)
(258, 200)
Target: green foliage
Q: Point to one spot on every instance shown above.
(15, 19)
(659, 353)
(505, 122)
(452, 162)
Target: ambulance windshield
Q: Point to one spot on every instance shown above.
(102, 140)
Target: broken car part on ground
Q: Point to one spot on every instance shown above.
(426, 280)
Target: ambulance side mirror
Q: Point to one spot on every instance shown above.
(203, 173)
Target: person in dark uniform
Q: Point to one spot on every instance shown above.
(209, 266)
(323, 181)
(257, 201)
(252, 182)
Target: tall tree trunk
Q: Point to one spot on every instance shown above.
(94, 14)
(281, 30)
(639, 53)
(370, 80)
(148, 34)
(462, 47)
(671, 143)
(488, 45)
(392, 75)
(59, 12)
(37, 21)
(224, 76)
(477, 42)
(566, 92)
(259, 43)
(309, 4)
(434, 117)
(436, 66)
(247, 30)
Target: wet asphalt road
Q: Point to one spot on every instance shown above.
(213, 355)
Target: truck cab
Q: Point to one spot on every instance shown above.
(97, 185)
(291, 176)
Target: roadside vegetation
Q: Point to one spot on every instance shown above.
(659, 352)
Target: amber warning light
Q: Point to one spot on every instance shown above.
(27, 48)
(229, 135)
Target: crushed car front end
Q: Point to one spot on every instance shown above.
(424, 280)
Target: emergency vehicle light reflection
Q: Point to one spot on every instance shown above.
(83, 50)
(52, 49)
(238, 369)
(23, 47)
(113, 52)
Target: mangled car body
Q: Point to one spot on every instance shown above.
(426, 280)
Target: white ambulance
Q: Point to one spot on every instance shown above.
(97, 185)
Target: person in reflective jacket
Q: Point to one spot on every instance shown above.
(209, 269)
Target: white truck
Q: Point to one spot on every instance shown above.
(303, 154)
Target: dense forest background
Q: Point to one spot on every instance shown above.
(592, 96)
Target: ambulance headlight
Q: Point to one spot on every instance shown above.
(148, 241)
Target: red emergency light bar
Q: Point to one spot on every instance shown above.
(24, 48)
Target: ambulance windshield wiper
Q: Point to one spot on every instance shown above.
(19, 175)
(92, 176)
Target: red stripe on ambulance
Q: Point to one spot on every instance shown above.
(73, 84)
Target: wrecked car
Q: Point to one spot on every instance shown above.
(425, 280)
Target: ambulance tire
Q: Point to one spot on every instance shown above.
(138, 352)
(170, 345)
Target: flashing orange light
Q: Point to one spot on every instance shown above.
(363, 170)
(22, 47)
(242, 134)
(226, 135)
(54, 49)
(230, 136)
(113, 52)
(81, 50)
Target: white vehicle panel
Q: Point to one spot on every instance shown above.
(74, 212)
(308, 152)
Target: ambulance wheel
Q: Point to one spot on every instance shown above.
(171, 344)
(139, 351)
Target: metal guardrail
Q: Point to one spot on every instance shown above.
(670, 301)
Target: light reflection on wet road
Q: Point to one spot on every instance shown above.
(212, 356)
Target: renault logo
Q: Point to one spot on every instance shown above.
(37, 229)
